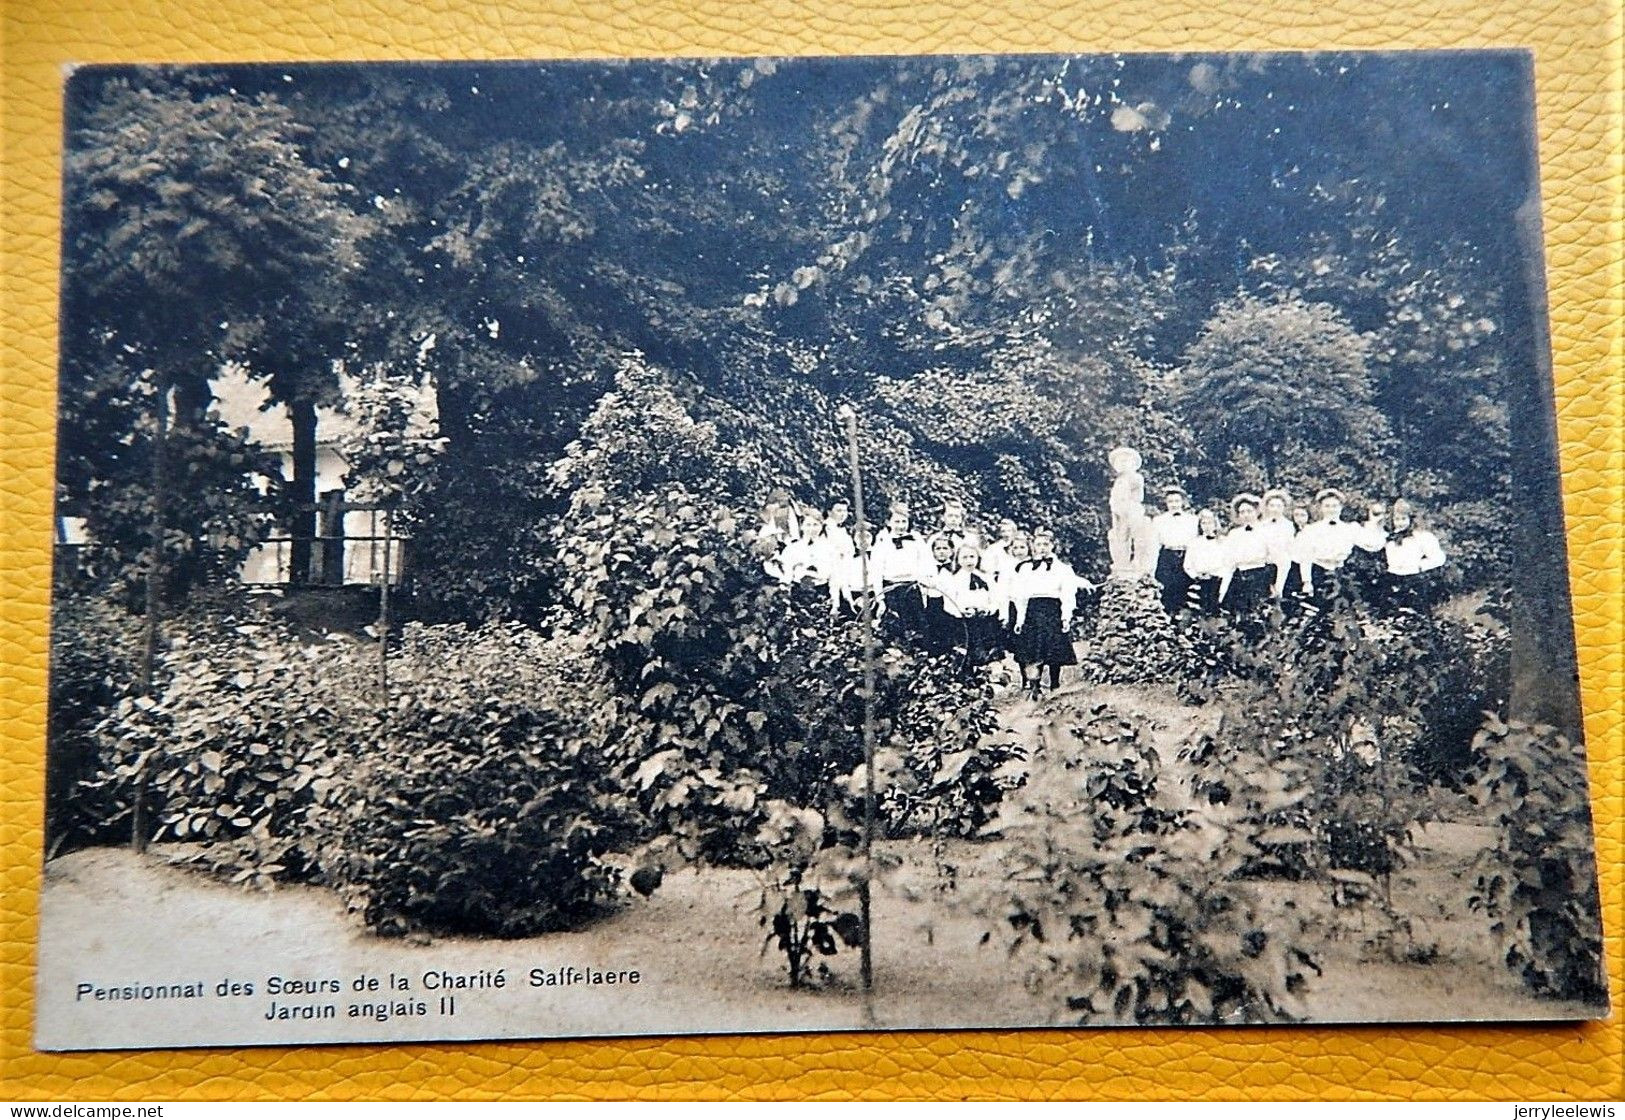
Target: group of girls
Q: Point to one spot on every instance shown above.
(1296, 557)
(943, 589)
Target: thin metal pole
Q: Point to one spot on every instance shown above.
(383, 616)
(155, 557)
(867, 622)
(155, 596)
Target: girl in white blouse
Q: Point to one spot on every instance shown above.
(1017, 552)
(898, 561)
(1209, 565)
(939, 630)
(796, 560)
(969, 596)
(1293, 592)
(1260, 565)
(1324, 546)
(1411, 550)
(838, 553)
(1044, 593)
(780, 525)
(1411, 553)
(1174, 530)
(996, 555)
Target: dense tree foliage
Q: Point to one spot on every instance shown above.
(1008, 265)
(198, 233)
(1285, 386)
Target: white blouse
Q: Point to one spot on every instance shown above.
(1416, 552)
(795, 562)
(966, 591)
(1044, 579)
(1175, 530)
(1209, 556)
(1280, 532)
(1327, 544)
(900, 559)
(1251, 546)
(995, 557)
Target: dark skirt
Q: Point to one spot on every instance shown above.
(984, 637)
(1042, 641)
(1293, 595)
(1172, 580)
(939, 630)
(1418, 593)
(1331, 589)
(806, 593)
(1249, 590)
(1202, 595)
(1364, 574)
(904, 611)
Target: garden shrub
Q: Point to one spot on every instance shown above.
(1133, 899)
(1133, 640)
(731, 689)
(1421, 679)
(95, 660)
(955, 765)
(1470, 676)
(738, 705)
(1535, 886)
(1474, 534)
(1268, 774)
(478, 800)
(235, 742)
(471, 814)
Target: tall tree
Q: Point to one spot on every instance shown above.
(1288, 384)
(191, 215)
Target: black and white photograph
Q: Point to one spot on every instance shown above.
(572, 549)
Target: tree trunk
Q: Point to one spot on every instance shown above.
(193, 396)
(302, 496)
(451, 411)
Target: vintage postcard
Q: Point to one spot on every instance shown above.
(610, 548)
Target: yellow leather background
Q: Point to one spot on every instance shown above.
(1578, 49)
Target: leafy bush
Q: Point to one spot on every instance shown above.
(95, 660)
(738, 705)
(1463, 671)
(1133, 640)
(1419, 679)
(477, 799)
(807, 907)
(1474, 535)
(472, 815)
(1325, 724)
(236, 742)
(480, 801)
(955, 767)
(731, 690)
(1536, 886)
(1134, 897)
(1267, 775)
(1350, 726)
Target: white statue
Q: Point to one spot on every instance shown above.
(1131, 539)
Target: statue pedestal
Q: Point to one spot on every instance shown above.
(1133, 640)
